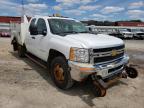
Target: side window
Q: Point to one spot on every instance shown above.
(32, 27)
(41, 26)
(32, 24)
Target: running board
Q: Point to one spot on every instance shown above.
(36, 60)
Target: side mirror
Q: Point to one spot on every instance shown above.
(44, 32)
(33, 30)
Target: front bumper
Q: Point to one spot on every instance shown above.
(128, 36)
(80, 71)
(139, 36)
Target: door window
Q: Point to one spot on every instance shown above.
(32, 23)
(32, 27)
(41, 26)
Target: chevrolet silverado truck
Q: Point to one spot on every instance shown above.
(124, 33)
(70, 52)
(137, 33)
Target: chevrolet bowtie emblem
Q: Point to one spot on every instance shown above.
(114, 52)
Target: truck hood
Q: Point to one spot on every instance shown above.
(127, 32)
(138, 32)
(95, 41)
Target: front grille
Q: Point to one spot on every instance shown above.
(114, 69)
(107, 58)
(106, 54)
(108, 49)
(140, 33)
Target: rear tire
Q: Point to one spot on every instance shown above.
(15, 45)
(21, 51)
(60, 73)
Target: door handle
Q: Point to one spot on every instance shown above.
(33, 37)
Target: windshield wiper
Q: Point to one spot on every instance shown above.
(61, 34)
(70, 32)
(66, 33)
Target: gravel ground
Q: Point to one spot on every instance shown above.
(23, 84)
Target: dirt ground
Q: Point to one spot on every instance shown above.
(24, 84)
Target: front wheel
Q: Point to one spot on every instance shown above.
(60, 73)
(142, 38)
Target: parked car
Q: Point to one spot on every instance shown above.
(114, 33)
(142, 30)
(91, 29)
(137, 33)
(4, 34)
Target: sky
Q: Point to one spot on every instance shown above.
(113, 10)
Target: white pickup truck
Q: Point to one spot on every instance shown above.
(137, 33)
(70, 51)
(124, 33)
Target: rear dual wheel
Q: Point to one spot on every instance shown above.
(21, 51)
(15, 46)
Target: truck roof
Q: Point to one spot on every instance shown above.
(49, 17)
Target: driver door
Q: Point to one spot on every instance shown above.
(41, 39)
(30, 38)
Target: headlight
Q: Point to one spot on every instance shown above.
(79, 55)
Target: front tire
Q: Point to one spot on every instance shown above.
(142, 38)
(60, 73)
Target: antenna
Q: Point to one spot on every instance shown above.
(23, 9)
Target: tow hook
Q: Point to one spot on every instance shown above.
(131, 72)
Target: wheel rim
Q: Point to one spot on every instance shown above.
(59, 73)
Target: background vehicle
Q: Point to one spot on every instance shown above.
(4, 34)
(142, 30)
(70, 52)
(137, 33)
(92, 29)
(124, 33)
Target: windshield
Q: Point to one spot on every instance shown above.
(64, 27)
(123, 30)
(136, 30)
